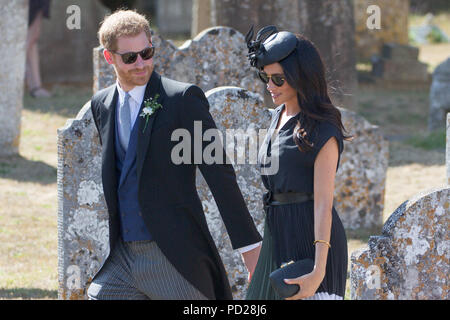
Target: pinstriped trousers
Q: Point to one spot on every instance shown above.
(138, 270)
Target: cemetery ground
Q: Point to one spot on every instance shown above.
(28, 189)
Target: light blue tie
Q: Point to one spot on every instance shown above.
(125, 121)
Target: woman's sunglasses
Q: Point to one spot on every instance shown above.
(277, 79)
(131, 57)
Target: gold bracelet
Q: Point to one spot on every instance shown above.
(322, 241)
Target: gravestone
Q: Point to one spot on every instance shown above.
(83, 229)
(439, 96)
(14, 26)
(361, 179)
(216, 57)
(399, 64)
(410, 260)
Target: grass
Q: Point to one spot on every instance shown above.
(428, 141)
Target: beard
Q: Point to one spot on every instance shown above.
(132, 78)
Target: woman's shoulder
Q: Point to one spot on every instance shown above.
(324, 130)
(327, 128)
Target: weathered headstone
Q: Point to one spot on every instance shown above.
(439, 96)
(393, 18)
(14, 26)
(83, 229)
(410, 260)
(361, 179)
(399, 64)
(216, 57)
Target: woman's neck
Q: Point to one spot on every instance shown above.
(291, 108)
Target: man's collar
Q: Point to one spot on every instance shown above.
(137, 93)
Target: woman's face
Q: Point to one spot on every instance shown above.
(284, 94)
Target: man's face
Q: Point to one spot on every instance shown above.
(137, 73)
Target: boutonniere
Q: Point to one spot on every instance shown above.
(150, 107)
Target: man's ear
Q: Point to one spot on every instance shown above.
(108, 56)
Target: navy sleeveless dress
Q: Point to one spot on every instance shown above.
(289, 228)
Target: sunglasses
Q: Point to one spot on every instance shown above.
(277, 79)
(131, 57)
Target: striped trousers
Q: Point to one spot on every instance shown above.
(139, 270)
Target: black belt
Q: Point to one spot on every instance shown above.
(277, 199)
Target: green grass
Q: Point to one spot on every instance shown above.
(428, 141)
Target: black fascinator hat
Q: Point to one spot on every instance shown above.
(270, 46)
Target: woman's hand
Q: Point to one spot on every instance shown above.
(309, 283)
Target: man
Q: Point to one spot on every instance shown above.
(160, 244)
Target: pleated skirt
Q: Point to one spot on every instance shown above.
(289, 235)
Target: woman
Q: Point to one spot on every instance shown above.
(306, 136)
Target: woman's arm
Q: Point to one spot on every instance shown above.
(324, 174)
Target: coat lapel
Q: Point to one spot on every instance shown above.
(153, 88)
(109, 174)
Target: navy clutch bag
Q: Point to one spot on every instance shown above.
(290, 271)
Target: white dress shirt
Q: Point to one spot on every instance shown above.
(135, 101)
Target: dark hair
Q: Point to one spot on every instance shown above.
(305, 72)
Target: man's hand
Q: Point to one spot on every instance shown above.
(250, 260)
